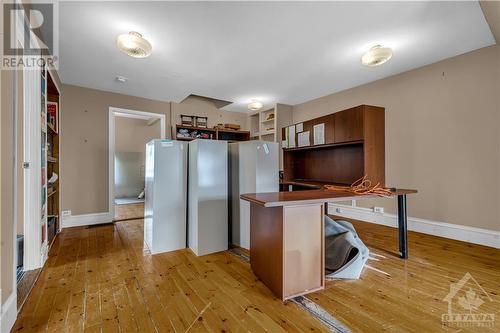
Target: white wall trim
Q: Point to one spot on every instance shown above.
(463, 233)
(8, 313)
(86, 219)
(119, 112)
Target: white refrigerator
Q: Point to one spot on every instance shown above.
(208, 196)
(165, 195)
(254, 168)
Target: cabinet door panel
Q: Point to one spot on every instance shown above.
(303, 250)
(349, 125)
(328, 122)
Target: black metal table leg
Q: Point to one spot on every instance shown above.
(403, 226)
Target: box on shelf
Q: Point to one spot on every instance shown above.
(187, 120)
(201, 121)
(235, 127)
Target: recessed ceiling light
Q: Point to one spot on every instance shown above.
(134, 45)
(376, 56)
(255, 105)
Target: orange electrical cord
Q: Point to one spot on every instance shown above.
(362, 186)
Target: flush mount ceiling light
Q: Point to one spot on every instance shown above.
(121, 79)
(134, 45)
(376, 56)
(255, 105)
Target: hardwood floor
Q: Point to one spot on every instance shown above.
(408, 296)
(129, 211)
(102, 279)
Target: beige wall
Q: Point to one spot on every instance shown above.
(206, 108)
(131, 135)
(442, 136)
(491, 11)
(84, 154)
(7, 173)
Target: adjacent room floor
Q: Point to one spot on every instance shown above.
(129, 211)
(101, 279)
(128, 201)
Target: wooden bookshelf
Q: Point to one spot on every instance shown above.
(211, 133)
(354, 146)
(207, 133)
(232, 135)
(53, 158)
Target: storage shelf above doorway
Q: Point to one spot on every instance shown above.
(212, 133)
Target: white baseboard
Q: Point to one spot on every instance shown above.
(86, 219)
(8, 313)
(447, 230)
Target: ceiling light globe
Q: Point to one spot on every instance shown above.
(255, 106)
(376, 56)
(134, 45)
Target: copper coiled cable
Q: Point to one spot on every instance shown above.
(362, 186)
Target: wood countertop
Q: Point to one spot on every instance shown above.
(318, 195)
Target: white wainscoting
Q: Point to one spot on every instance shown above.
(8, 313)
(86, 219)
(447, 230)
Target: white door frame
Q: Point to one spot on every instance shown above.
(33, 257)
(119, 112)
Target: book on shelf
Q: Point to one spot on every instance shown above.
(52, 116)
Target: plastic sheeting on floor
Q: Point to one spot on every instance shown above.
(345, 253)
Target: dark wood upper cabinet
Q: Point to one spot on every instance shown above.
(354, 146)
(348, 125)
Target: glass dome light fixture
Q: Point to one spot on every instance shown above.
(134, 45)
(376, 56)
(255, 105)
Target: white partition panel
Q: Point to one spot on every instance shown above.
(254, 168)
(208, 196)
(166, 186)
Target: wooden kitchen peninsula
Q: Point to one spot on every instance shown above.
(287, 237)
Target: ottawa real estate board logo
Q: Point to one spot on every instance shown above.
(29, 35)
(468, 305)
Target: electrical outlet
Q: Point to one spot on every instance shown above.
(66, 213)
(378, 210)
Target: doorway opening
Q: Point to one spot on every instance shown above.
(130, 130)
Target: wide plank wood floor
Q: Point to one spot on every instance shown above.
(102, 279)
(395, 295)
(129, 211)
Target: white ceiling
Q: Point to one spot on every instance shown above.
(287, 52)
